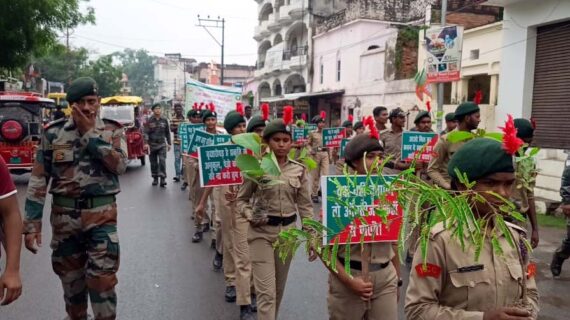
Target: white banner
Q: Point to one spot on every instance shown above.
(274, 57)
(224, 98)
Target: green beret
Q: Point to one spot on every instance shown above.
(450, 116)
(422, 114)
(156, 105)
(317, 119)
(347, 124)
(358, 125)
(275, 126)
(208, 114)
(396, 113)
(255, 122)
(80, 88)
(479, 158)
(465, 109)
(358, 145)
(191, 113)
(233, 118)
(524, 128)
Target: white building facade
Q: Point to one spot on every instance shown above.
(170, 75)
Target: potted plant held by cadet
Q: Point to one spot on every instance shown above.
(426, 207)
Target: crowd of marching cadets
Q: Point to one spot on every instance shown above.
(245, 220)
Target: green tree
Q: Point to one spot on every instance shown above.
(138, 66)
(30, 27)
(106, 74)
(59, 64)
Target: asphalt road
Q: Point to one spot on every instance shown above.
(165, 276)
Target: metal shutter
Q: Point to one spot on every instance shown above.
(551, 95)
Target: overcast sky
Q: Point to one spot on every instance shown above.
(169, 26)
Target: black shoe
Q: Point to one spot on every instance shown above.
(253, 302)
(176, 179)
(245, 313)
(556, 265)
(184, 186)
(162, 182)
(315, 199)
(197, 237)
(213, 244)
(206, 227)
(231, 294)
(155, 181)
(218, 261)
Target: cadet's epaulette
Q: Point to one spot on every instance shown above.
(437, 229)
(516, 227)
(115, 122)
(55, 122)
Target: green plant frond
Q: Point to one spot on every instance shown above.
(247, 162)
(500, 224)
(495, 136)
(310, 163)
(347, 258)
(496, 245)
(270, 166)
(249, 141)
(458, 136)
(334, 254)
(326, 254)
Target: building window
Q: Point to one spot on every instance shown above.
(474, 55)
(321, 72)
(373, 47)
(338, 70)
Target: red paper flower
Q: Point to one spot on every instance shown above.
(265, 111)
(212, 107)
(370, 123)
(304, 116)
(195, 106)
(323, 115)
(350, 117)
(288, 115)
(201, 105)
(239, 108)
(511, 143)
(428, 105)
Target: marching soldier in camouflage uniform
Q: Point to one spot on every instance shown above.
(157, 137)
(563, 252)
(82, 157)
(320, 154)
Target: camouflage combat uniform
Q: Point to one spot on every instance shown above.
(157, 135)
(563, 252)
(84, 181)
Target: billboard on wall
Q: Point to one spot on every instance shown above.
(274, 57)
(443, 53)
(224, 98)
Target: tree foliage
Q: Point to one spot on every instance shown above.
(106, 75)
(31, 27)
(138, 66)
(61, 65)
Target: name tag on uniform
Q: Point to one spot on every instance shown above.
(62, 153)
(473, 268)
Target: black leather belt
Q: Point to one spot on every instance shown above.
(322, 149)
(83, 203)
(357, 265)
(284, 221)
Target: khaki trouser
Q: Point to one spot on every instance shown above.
(242, 260)
(227, 214)
(269, 271)
(322, 169)
(343, 304)
(188, 170)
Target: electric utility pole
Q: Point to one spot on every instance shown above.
(440, 85)
(215, 23)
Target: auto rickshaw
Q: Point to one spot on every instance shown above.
(124, 109)
(59, 98)
(21, 116)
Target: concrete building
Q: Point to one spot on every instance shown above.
(534, 78)
(171, 73)
(235, 75)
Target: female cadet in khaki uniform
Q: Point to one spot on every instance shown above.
(274, 207)
(455, 286)
(360, 297)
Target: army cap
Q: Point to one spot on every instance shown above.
(191, 113)
(359, 145)
(450, 116)
(254, 123)
(209, 114)
(398, 112)
(524, 128)
(465, 109)
(156, 105)
(317, 119)
(358, 125)
(275, 126)
(347, 124)
(80, 88)
(479, 158)
(233, 118)
(421, 115)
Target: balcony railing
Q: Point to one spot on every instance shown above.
(300, 51)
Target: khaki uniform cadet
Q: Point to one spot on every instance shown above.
(392, 141)
(83, 168)
(271, 209)
(194, 116)
(343, 302)
(349, 134)
(320, 154)
(203, 222)
(467, 114)
(563, 252)
(450, 123)
(175, 122)
(227, 212)
(157, 137)
(455, 286)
